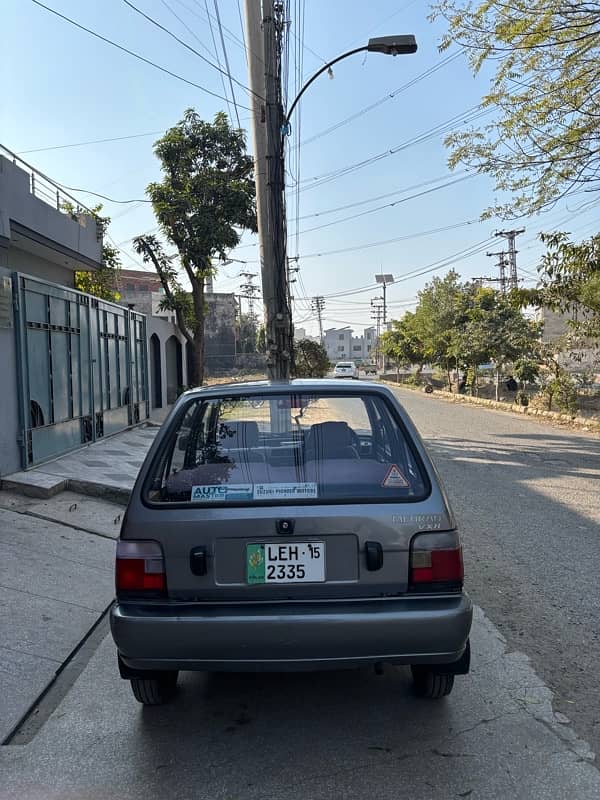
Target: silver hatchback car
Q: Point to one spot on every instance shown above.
(289, 526)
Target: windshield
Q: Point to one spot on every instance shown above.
(287, 448)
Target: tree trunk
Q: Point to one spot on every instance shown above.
(497, 383)
(449, 376)
(199, 314)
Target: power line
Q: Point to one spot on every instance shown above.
(368, 245)
(389, 205)
(132, 53)
(92, 141)
(187, 46)
(472, 114)
(225, 56)
(389, 96)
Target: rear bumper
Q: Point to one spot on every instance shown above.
(291, 636)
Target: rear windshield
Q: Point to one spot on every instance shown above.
(288, 448)
(344, 365)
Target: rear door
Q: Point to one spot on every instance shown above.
(286, 496)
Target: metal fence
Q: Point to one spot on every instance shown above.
(83, 371)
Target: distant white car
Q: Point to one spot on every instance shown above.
(345, 369)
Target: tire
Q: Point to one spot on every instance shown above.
(154, 691)
(430, 684)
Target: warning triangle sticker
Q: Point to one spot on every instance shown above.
(395, 479)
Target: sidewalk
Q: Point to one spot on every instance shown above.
(106, 468)
(56, 582)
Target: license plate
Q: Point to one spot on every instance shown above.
(288, 562)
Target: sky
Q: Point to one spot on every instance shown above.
(402, 213)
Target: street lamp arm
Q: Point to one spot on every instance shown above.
(388, 45)
(323, 69)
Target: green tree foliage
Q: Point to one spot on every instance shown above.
(461, 325)
(203, 203)
(101, 282)
(542, 142)
(403, 344)
(495, 331)
(570, 282)
(310, 359)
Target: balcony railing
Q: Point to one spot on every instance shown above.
(45, 189)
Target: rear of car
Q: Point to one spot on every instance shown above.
(345, 369)
(288, 527)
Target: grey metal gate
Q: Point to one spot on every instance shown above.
(83, 370)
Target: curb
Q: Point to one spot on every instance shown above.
(581, 423)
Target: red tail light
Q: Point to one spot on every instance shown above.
(140, 567)
(436, 563)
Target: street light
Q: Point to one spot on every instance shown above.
(405, 44)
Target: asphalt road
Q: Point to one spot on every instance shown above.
(527, 498)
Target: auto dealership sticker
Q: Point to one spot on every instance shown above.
(395, 479)
(222, 492)
(285, 491)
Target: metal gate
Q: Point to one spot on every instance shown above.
(83, 371)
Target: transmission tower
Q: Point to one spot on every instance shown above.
(249, 290)
(502, 265)
(510, 237)
(317, 305)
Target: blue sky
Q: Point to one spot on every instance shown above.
(63, 86)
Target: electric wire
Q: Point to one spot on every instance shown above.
(133, 53)
(187, 46)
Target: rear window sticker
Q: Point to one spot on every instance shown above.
(285, 491)
(395, 479)
(222, 492)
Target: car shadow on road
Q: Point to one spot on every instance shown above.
(527, 508)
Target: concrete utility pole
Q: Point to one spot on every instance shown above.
(502, 264)
(264, 36)
(377, 314)
(317, 305)
(384, 279)
(510, 236)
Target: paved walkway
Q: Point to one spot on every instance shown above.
(106, 468)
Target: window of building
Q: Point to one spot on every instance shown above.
(341, 337)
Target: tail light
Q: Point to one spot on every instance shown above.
(436, 563)
(140, 568)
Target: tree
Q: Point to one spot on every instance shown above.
(203, 203)
(496, 331)
(403, 343)
(570, 282)
(440, 318)
(310, 359)
(101, 282)
(542, 143)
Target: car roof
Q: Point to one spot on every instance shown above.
(276, 387)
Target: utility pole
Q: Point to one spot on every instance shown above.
(502, 264)
(264, 38)
(317, 305)
(510, 236)
(377, 314)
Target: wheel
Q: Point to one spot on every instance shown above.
(430, 684)
(154, 691)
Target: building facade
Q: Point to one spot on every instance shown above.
(74, 367)
(341, 344)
